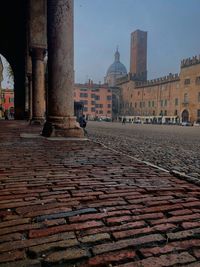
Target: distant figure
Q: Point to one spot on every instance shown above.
(6, 115)
(124, 121)
(83, 123)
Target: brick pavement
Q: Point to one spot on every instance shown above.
(75, 203)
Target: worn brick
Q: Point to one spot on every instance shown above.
(188, 225)
(111, 257)
(176, 219)
(37, 250)
(164, 260)
(118, 220)
(69, 254)
(12, 256)
(94, 238)
(184, 234)
(63, 228)
(127, 243)
(19, 244)
(133, 232)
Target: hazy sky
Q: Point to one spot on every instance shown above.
(7, 82)
(173, 28)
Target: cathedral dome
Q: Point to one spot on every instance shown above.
(115, 71)
(117, 68)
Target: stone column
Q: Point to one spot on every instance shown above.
(60, 120)
(30, 98)
(38, 89)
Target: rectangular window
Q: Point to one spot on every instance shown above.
(198, 113)
(101, 105)
(140, 104)
(161, 103)
(198, 80)
(187, 81)
(135, 104)
(93, 102)
(85, 109)
(97, 97)
(83, 95)
(93, 96)
(165, 102)
(93, 109)
(176, 101)
(149, 104)
(152, 103)
(109, 97)
(143, 104)
(199, 97)
(109, 105)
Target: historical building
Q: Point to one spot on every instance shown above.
(7, 101)
(96, 99)
(138, 55)
(170, 99)
(115, 71)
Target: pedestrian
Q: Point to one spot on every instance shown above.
(83, 123)
(123, 121)
(6, 115)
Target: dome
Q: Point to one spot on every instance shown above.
(117, 68)
(115, 71)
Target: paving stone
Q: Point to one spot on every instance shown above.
(69, 254)
(64, 214)
(164, 260)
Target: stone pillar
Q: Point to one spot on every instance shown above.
(30, 97)
(60, 120)
(38, 89)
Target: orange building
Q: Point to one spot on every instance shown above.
(96, 98)
(7, 102)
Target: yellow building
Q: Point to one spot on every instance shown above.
(171, 99)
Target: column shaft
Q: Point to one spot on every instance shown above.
(61, 69)
(38, 91)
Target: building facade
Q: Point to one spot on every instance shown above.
(96, 98)
(7, 102)
(170, 99)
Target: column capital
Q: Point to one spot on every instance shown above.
(38, 53)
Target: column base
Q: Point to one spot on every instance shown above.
(62, 127)
(37, 121)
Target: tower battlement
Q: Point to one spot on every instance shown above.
(190, 61)
(165, 79)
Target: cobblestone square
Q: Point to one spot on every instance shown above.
(168, 146)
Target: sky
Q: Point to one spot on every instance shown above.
(102, 25)
(7, 82)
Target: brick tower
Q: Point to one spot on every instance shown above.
(138, 55)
